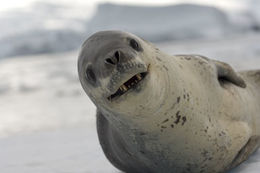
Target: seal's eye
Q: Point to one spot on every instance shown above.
(90, 75)
(134, 45)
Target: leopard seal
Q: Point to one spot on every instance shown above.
(164, 113)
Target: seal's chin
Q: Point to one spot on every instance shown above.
(128, 85)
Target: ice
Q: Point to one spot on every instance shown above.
(184, 21)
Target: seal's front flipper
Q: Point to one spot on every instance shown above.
(226, 73)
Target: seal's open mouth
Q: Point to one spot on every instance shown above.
(131, 83)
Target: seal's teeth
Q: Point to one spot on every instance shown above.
(123, 88)
(138, 76)
(131, 83)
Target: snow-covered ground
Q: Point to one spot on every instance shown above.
(47, 123)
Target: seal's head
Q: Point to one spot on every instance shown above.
(113, 68)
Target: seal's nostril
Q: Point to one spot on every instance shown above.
(117, 56)
(113, 60)
(110, 61)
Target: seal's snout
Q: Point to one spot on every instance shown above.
(118, 57)
(127, 71)
(114, 60)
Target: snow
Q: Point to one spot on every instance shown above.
(44, 91)
(47, 27)
(43, 27)
(61, 151)
(254, 5)
(47, 123)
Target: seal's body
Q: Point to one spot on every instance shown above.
(162, 113)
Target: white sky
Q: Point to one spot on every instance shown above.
(228, 4)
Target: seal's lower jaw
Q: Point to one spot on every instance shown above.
(128, 85)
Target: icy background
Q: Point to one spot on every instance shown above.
(46, 27)
(47, 123)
